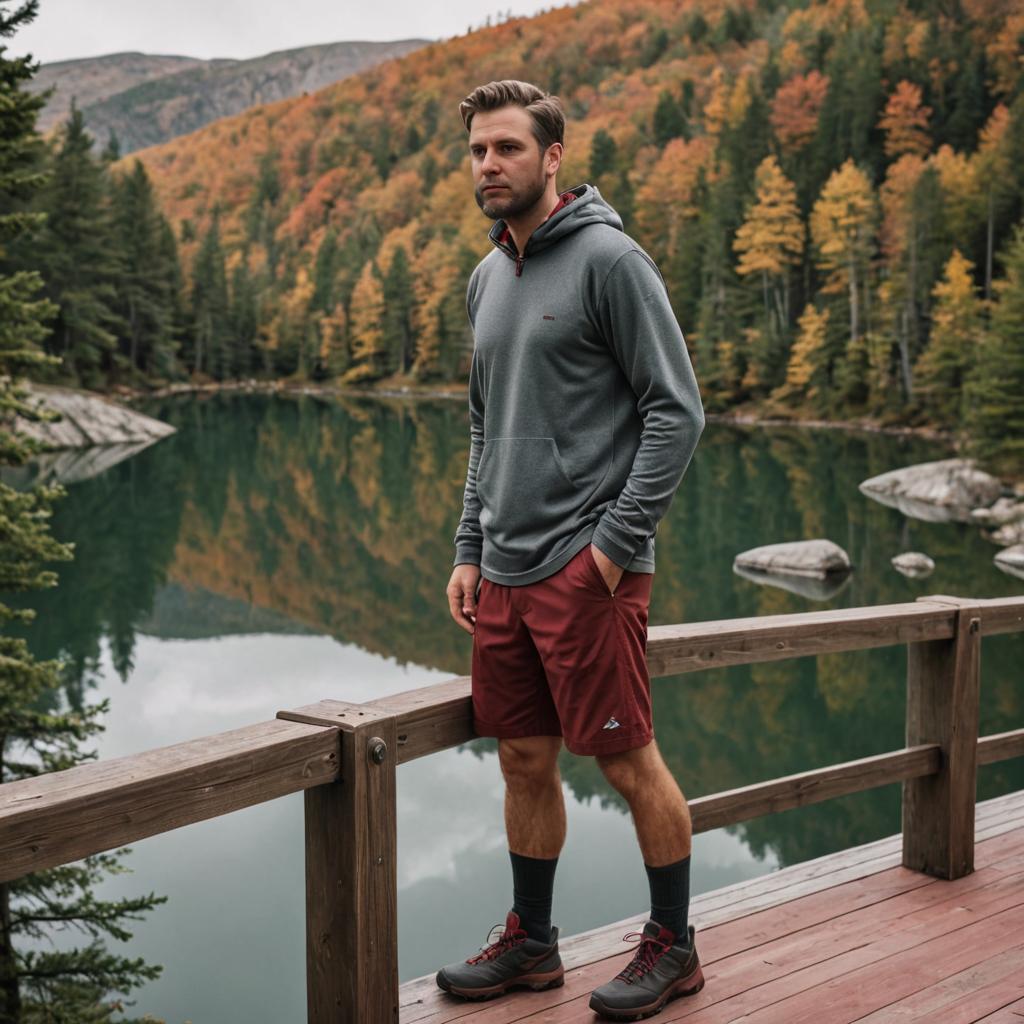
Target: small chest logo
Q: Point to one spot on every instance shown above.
(548, 316)
(612, 723)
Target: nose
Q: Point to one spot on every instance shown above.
(490, 166)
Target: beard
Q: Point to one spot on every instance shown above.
(511, 202)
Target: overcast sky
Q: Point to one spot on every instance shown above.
(66, 29)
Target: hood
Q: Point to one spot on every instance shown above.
(589, 207)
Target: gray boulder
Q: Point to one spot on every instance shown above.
(815, 558)
(944, 491)
(914, 564)
(1011, 560)
(1005, 510)
(88, 419)
(1009, 534)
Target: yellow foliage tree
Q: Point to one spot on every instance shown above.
(366, 327)
(771, 239)
(843, 225)
(807, 369)
(956, 336)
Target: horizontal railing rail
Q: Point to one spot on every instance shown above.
(343, 757)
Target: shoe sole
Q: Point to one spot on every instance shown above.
(688, 986)
(536, 982)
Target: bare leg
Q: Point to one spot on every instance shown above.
(534, 808)
(660, 813)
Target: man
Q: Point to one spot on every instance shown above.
(584, 415)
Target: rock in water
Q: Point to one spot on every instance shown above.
(914, 564)
(937, 492)
(814, 588)
(815, 558)
(1004, 511)
(1011, 560)
(1008, 534)
(88, 419)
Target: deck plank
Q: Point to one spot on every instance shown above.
(854, 932)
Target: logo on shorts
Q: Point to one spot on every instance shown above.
(612, 723)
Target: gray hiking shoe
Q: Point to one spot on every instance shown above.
(513, 961)
(658, 972)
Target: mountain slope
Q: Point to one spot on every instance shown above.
(159, 101)
(93, 79)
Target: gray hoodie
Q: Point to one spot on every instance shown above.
(584, 409)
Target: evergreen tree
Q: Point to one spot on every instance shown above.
(398, 303)
(324, 271)
(112, 150)
(995, 393)
(243, 318)
(146, 301)
(209, 350)
(669, 120)
(35, 734)
(80, 258)
(603, 153)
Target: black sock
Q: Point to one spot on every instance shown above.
(533, 884)
(670, 897)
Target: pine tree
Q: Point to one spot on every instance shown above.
(398, 303)
(669, 120)
(80, 258)
(208, 352)
(995, 392)
(243, 318)
(146, 300)
(603, 154)
(36, 734)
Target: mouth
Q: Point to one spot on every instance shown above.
(493, 188)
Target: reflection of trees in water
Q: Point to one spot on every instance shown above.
(339, 517)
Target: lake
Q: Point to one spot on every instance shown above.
(281, 550)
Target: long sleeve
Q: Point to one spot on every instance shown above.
(637, 320)
(469, 537)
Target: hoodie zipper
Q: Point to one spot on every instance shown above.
(513, 255)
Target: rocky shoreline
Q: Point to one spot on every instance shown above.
(459, 391)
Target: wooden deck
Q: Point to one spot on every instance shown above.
(849, 937)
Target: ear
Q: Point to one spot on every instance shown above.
(553, 158)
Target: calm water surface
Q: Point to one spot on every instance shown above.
(278, 551)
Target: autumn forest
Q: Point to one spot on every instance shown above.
(833, 192)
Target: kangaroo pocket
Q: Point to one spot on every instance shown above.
(527, 499)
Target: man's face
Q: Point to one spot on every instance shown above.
(510, 174)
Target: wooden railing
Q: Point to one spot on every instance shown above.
(343, 757)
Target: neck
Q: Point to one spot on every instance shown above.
(525, 224)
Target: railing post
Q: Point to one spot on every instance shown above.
(351, 874)
(943, 691)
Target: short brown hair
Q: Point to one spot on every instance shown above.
(545, 110)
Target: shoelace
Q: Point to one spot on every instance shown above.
(506, 941)
(645, 956)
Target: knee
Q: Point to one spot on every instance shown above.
(628, 773)
(530, 762)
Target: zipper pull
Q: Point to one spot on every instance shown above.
(519, 266)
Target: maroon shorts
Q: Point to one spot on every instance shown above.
(565, 657)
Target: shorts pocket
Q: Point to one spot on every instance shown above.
(597, 574)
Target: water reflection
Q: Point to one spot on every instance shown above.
(265, 514)
(318, 536)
